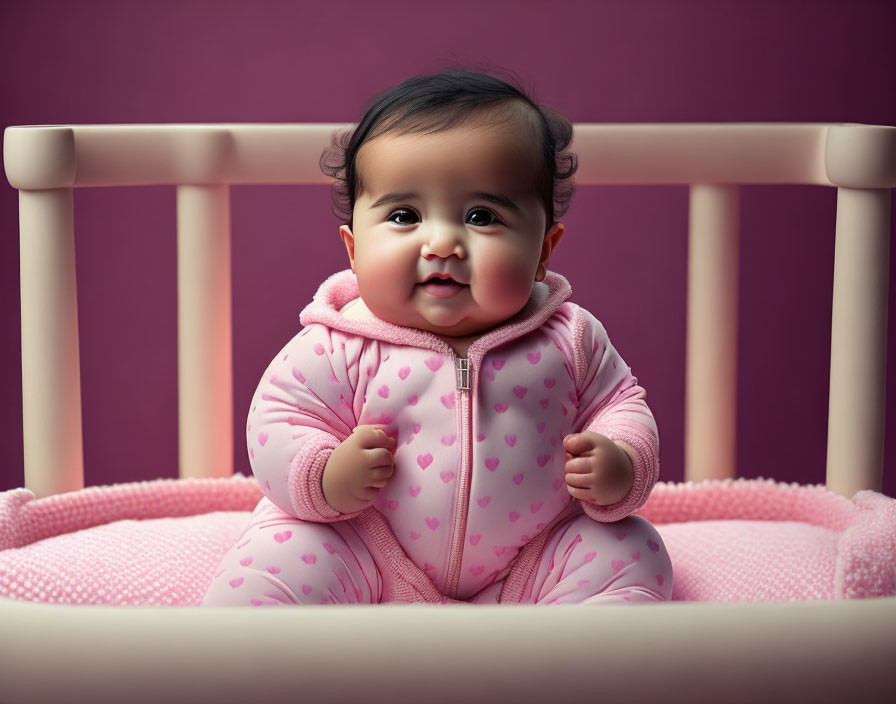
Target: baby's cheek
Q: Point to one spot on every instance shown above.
(505, 287)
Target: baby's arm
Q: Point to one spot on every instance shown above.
(612, 407)
(305, 407)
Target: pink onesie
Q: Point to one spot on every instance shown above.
(477, 508)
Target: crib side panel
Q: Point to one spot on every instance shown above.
(45, 162)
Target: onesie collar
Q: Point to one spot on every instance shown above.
(342, 288)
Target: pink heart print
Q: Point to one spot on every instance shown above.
(432, 522)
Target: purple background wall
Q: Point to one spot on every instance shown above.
(625, 248)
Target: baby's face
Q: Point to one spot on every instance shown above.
(449, 231)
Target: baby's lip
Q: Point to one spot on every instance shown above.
(443, 276)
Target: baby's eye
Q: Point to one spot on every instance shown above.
(482, 217)
(403, 213)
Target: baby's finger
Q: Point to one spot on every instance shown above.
(378, 457)
(580, 481)
(577, 493)
(579, 465)
(368, 494)
(371, 436)
(381, 473)
(384, 440)
(577, 443)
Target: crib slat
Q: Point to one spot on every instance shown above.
(711, 381)
(205, 357)
(51, 376)
(858, 341)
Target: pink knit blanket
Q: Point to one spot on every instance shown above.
(158, 542)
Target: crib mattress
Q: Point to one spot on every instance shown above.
(158, 543)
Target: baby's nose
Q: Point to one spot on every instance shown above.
(443, 244)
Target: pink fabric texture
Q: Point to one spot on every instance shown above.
(479, 466)
(157, 543)
(146, 543)
(280, 560)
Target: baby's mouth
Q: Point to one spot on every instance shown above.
(441, 288)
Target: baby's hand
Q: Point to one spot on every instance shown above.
(597, 469)
(358, 468)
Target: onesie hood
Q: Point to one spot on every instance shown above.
(342, 288)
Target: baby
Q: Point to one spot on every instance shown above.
(447, 427)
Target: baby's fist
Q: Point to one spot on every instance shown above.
(597, 469)
(358, 468)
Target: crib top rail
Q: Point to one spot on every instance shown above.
(41, 157)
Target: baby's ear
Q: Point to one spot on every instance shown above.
(349, 239)
(551, 239)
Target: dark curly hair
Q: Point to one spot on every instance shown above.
(429, 104)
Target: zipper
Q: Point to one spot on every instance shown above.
(464, 382)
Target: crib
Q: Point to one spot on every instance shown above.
(768, 647)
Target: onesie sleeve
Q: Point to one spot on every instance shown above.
(303, 408)
(612, 403)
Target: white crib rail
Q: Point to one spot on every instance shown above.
(810, 652)
(46, 162)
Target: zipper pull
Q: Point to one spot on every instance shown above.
(462, 373)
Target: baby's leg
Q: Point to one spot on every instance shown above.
(587, 562)
(280, 560)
